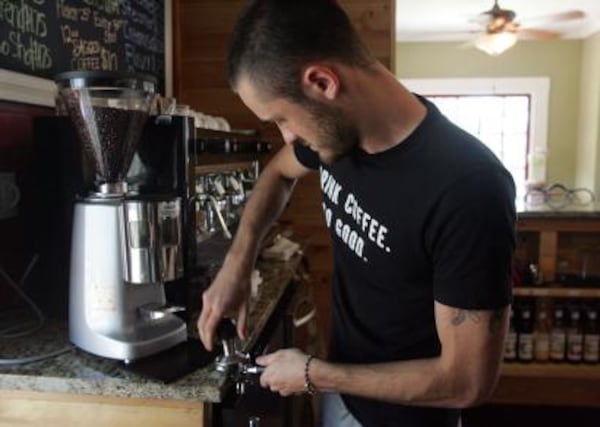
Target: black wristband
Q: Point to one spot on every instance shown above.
(308, 385)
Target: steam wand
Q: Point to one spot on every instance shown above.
(226, 231)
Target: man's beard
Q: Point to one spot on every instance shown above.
(336, 135)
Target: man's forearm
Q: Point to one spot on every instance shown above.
(464, 374)
(423, 382)
(264, 206)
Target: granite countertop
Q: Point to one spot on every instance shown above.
(78, 372)
(543, 210)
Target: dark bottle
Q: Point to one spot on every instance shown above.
(532, 276)
(541, 333)
(591, 337)
(558, 336)
(575, 336)
(510, 345)
(525, 334)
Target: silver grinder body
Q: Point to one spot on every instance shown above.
(123, 250)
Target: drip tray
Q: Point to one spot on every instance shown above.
(172, 364)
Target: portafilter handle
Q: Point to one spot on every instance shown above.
(226, 334)
(234, 362)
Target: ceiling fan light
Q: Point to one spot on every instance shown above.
(496, 43)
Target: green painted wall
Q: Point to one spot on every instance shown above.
(561, 61)
(588, 153)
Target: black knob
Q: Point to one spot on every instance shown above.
(226, 330)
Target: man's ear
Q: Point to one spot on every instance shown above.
(320, 82)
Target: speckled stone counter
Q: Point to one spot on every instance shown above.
(80, 373)
(570, 211)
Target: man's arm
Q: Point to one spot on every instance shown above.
(228, 293)
(464, 374)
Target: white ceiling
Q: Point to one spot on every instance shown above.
(435, 20)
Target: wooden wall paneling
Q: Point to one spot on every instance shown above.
(374, 22)
(177, 47)
(202, 29)
(201, 74)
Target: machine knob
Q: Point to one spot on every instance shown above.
(254, 422)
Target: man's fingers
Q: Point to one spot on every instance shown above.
(200, 324)
(210, 325)
(207, 323)
(241, 321)
(265, 359)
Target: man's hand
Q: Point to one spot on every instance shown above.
(227, 296)
(284, 371)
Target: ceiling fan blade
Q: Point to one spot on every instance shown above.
(440, 36)
(513, 27)
(535, 34)
(570, 15)
(481, 19)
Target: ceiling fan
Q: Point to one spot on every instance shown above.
(501, 30)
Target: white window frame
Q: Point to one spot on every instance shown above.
(538, 89)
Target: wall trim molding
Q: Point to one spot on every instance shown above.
(18, 87)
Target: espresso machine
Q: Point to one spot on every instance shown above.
(125, 245)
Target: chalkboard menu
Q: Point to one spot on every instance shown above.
(45, 37)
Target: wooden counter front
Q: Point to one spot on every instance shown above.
(26, 408)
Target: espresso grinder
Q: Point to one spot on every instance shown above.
(124, 246)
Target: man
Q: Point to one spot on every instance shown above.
(421, 217)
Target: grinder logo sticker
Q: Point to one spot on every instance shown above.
(354, 226)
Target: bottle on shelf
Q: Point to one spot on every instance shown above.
(510, 345)
(591, 336)
(541, 333)
(525, 334)
(558, 336)
(574, 335)
(532, 276)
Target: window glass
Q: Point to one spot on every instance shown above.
(500, 121)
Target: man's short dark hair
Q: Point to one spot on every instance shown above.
(274, 39)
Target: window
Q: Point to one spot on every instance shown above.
(500, 121)
(509, 115)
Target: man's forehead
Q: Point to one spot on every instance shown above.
(256, 99)
(250, 88)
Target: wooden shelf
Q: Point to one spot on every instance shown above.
(549, 240)
(551, 370)
(588, 224)
(548, 384)
(564, 292)
(221, 167)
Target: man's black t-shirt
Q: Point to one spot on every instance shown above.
(431, 219)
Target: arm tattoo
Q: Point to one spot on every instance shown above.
(496, 321)
(461, 315)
